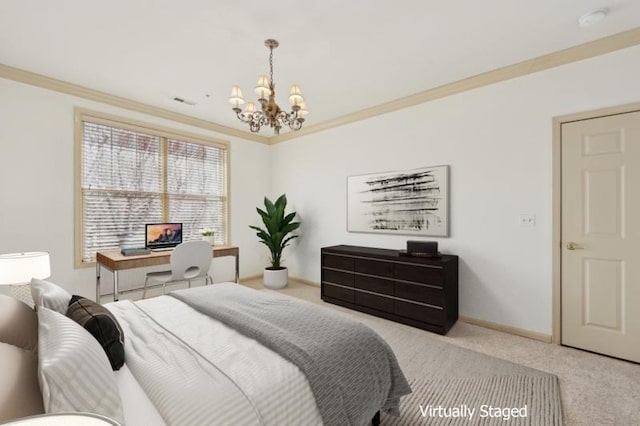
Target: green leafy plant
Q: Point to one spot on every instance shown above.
(207, 232)
(278, 226)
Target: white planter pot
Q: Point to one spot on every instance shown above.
(276, 278)
(208, 238)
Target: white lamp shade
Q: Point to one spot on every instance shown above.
(303, 109)
(295, 96)
(263, 89)
(236, 97)
(20, 268)
(250, 108)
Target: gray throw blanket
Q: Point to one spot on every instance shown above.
(352, 371)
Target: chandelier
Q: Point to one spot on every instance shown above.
(271, 113)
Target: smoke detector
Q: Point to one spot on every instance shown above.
(593, 17)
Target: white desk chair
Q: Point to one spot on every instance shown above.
(189, 261)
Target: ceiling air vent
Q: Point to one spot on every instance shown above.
(183, 101)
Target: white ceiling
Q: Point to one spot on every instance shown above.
(345, 55)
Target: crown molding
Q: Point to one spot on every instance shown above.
(61, 86)
(577, 53)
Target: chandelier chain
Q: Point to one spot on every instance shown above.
(271, 66)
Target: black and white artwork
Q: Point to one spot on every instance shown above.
(403, 202)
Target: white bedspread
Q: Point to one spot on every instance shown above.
(137, 408)
(240, 383)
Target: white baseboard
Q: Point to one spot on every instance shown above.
(249, 278)
(305, 282)
(546, 338)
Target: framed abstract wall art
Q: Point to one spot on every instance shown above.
(411, 202)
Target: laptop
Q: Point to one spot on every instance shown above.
(162, 236)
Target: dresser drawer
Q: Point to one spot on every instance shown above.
(338, 262)
(419, 293)
(377, 285)
(374, 267)
(340, 293)
(419, 274)
(373, 301)
(337, 277)
(418, 312)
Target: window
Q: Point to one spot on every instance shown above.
(130, 174)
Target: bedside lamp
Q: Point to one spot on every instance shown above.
(17, 270)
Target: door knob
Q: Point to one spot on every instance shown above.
(574, 246)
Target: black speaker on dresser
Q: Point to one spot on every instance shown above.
(417, 248)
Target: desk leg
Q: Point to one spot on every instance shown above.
(97, 282)
(116, 296)
(238, 268)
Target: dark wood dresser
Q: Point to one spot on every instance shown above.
(421, 292)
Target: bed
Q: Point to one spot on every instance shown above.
(222, 355)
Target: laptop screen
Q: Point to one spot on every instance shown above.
(161, 235)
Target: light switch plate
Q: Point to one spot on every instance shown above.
(527, 220)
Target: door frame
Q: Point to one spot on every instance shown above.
(556, 204)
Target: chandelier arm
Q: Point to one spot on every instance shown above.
(254, 127)
(290, 117)
(293, 121)
(259, 120)
(285, 118)
(245, 118)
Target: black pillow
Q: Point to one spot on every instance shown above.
(102, 325)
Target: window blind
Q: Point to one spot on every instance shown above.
(196, 179)
(130, 178)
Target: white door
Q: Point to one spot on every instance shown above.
(601, 235)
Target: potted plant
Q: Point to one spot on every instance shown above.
(276, 237)
(207, 235)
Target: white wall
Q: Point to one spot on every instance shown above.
(36, 184)
(498, 142)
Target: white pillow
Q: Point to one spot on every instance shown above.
(47, 294)
(74, 372)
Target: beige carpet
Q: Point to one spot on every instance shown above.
(514, 400)
(447, 376)
(450, 377)
(594, 389)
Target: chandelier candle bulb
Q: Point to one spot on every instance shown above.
(271, 114)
